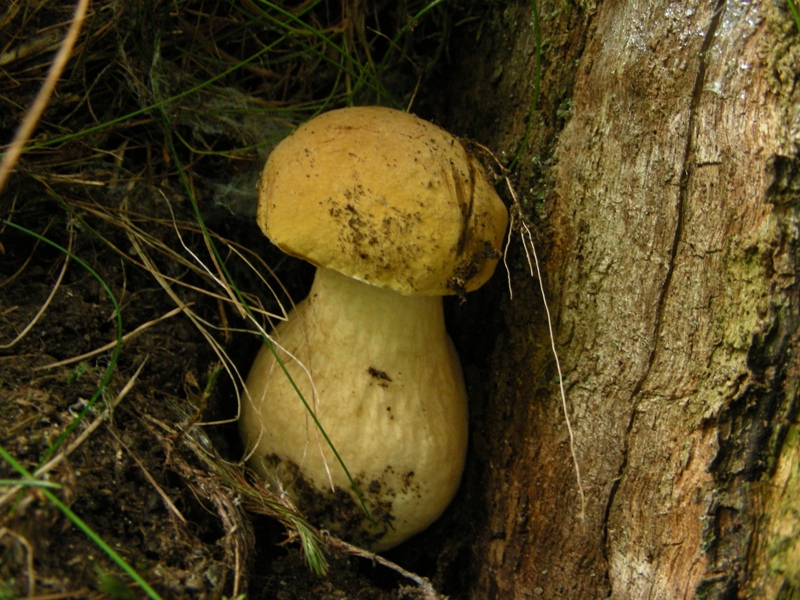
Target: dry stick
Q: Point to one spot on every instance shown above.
(36, 109)
(525, 235)
(47, 302)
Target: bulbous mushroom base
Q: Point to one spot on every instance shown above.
(381, 375)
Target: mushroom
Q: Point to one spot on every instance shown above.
(395, 213)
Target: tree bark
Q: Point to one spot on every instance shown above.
(663, 158)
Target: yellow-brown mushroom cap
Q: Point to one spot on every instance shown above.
(386, 198)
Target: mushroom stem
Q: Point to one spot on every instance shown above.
(387, 388)
(377, 321)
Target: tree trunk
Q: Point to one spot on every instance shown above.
(663, 159)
